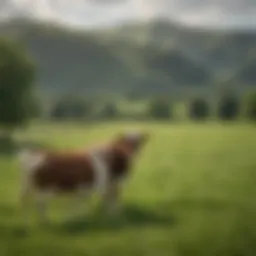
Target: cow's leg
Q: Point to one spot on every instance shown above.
(29, 161)
(102, 178)
(26, 194)
(42, 199)
(111, 199)
(77, 205)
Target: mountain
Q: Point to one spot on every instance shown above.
(218, 50)
(155, 57)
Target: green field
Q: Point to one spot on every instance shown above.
(192, 193)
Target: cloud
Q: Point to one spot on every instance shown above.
(208, 12)
(108, 12)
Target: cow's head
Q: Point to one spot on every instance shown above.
(132, 141)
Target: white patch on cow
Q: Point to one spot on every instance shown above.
(133, 135)
(31, 160)
(101, 171)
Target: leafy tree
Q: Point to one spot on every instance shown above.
(35, 106)
(198, 109)
(160, 109)
(228, 108)
(59, 111)
(251, 107)
(71, 108)
(110, 110)
(17, 74)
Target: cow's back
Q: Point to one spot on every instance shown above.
(64, 172)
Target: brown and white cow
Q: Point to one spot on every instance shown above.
(98, 169)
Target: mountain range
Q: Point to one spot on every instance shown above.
(149, 57)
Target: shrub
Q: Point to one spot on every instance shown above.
(228, 108)
(250, 110)
(160, 109)
(71, 108)
(59, 111)
(198, 109)
(110, 110)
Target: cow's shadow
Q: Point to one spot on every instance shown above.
(131, 216)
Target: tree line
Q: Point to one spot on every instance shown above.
(18, 102)
(227, 108)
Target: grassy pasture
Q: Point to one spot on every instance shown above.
(192, 193)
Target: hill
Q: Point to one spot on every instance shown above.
(141, 58)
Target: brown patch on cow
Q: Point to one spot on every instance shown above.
(65, 172)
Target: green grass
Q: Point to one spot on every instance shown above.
(192, 193)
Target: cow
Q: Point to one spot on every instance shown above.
(101, 169)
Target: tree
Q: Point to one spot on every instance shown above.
(198, 109)
(71, 108)
(17, 74)
(228, 108)
(160, 109)
(250, 110)
(110, 110)
(59, 111)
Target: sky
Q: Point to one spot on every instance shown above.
(91, 13)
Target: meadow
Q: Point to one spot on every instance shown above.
(192, 192)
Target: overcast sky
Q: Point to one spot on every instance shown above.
(235, 13)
